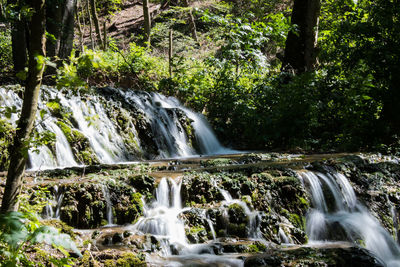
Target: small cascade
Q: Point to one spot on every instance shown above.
(345, 219)
(167, 129)
(53, 207)
(283, 236)
(162, 218)
(109, 209)
(253, 230)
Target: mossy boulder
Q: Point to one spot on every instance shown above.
(199, 188)
(80, 145)
(143, 183)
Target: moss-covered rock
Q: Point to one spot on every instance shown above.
(80, 145)
(199, 188)
(307, 256)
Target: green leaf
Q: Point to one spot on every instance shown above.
(43, 112)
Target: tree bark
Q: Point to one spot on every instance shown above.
(192, 24)
(300, 51)
(105, 35)
(147, 22)
(96, 22)
(19, 45)
(90, 25)
(19, 40)
(170, 53)
(19, 149)
(60, 23)
(78, 19)
(68, 25)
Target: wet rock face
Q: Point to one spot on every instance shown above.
(84, 205)
(307, 256)
(199, 188)
(282, 201)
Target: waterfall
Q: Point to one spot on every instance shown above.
(254, 216)
(352, 217)
(53, 206)
(162, 219)
(109, 209)
(171, 129)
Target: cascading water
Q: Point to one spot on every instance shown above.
(162, 219)
(89, 116)
(52, 208)
(355, 222)
(109, 210)
(254, 216)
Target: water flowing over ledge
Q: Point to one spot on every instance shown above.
(200, 218)
(111, 126)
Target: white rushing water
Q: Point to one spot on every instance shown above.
(89, 115)
(162, 219)
(109, 207)
(53, 206)
(355, 221)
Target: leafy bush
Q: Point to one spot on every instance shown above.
(6, 62)
(19, 233)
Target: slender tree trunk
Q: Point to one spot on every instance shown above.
(105, 35)
(60, 24)
(96, 22)
(147, 22)
(170, 53)
(78, 20)
(300, 51)
(68, 26)
(19, 45)
(2, 13)
(19, 40)
(192, 24)
(19, 149)
(90, 25)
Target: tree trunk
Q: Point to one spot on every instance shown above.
(300, 51)
(170, 53)
(78, 19)
(90, 25)
(19, 45)
(96, 22)
(147, 22)
(19, 149)
(192, 24)
(19, 40)
(60, 24)
(105, 35)
(68, 25)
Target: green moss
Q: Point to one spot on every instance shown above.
(256, 247)
(136, 205)
(298, 221)
(109, 263)
(216, 162)
(130, 259)
(252, 248)
(80, 144)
